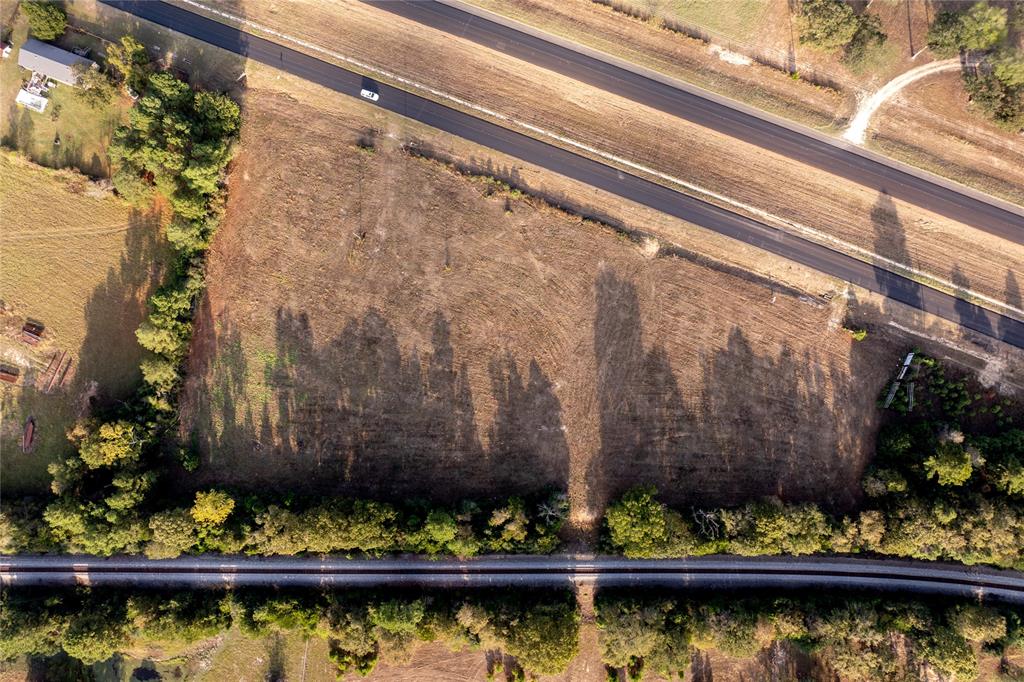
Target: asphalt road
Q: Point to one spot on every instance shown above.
(583, 169)
(692, 104)
(713, 572)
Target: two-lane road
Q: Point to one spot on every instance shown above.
(730, 118)
(711, 572)
(583, 169)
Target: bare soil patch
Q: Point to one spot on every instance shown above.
(378, 324)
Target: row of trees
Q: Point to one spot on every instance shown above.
(176, 143)
(947, 482)
(996, 84)
(539, 629)
(858, 638)
(218, 521)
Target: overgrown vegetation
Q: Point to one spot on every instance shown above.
(995, 81)
(46, 20)
(947, 482)
(859, 638)
(833, 26)
(540, 630)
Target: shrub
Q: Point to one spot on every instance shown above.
(46, 20)
(946, 35)
(827, 24)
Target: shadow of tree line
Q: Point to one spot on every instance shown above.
(762, 425)
(983, 324)
(357, 415)
(360, 415)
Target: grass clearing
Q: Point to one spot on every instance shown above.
(478, 343)
(82, 262)
(84, 131)
(736, 19)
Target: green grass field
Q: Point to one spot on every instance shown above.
(735, 19)
(82, 262)
(84, 131)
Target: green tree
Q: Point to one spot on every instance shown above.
(827, 24)
(212, 508)
(637, 523)
(128, 60)
(109, 443)
(983, 26)
(545, 638)
(946, 35)
(951, 464)
(46, 20)
(397, 616)
(950, 654)
(96, 631)
(1008, 67)
(981, 624)
(159, 373)
(94, 88)
(174, 532)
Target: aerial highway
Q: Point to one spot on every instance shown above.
(710, 572)
(716, 113)
(583, 169)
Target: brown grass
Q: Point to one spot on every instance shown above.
(378, 324)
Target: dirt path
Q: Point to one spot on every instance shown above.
(856, 132)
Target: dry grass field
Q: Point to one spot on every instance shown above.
(378, 324)
(836, 208)
(81, 262)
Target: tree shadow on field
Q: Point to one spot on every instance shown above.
(110, 352)
(645, 427)
(358, 415)
(891, 242)
(758, 424)
(1012, 298)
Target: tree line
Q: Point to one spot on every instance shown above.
(539, 629)
(947, 482)
(865, 638)
(858, 637)
(219, 521)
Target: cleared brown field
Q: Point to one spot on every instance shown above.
(379, 324)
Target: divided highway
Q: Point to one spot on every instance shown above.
(716, 113)
(583, 169)
(712, 572)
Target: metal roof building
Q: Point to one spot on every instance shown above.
(50, 60)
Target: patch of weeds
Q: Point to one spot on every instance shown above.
(857, 333)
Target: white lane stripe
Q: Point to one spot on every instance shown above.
(793, 227)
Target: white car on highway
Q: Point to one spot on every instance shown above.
(369, 94)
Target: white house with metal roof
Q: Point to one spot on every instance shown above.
(51, 61)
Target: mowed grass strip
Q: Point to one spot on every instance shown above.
(80, 261)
